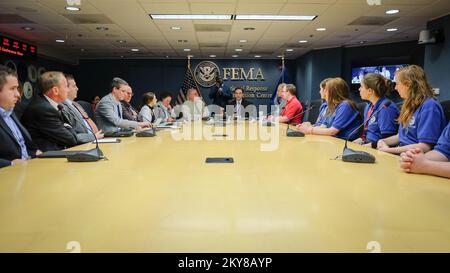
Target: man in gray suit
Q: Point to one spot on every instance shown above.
(72, 113)
(108, 114)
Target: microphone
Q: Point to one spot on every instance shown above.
(294, 133)
(92, 155)
(349, 155)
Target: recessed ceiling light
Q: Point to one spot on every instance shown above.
(238, 49)
(392, 11)
(135, 49)
(212, 56)
(303, 41)
(249, 28)
(242, 41)
(72, 8)
(391, 29)
(191, 16)
(234, 56)
(59, 41)
(257, 56)
(289, 49)
(83, 50)
(121, 41)
(102, 28)
(280, 56)
(276, 17)
(27, 28)
(321, 29)
(187, 49)
(175, 28)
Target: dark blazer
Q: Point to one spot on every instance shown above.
(244, 103)
(47, 126)
(9, 147)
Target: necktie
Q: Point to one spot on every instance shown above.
(118, 111)
(85, 116)
(238, 109)
(366, 126)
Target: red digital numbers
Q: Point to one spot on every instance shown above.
(18, 48)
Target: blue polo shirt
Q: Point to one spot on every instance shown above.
(443, 145)
(425, 126)
(346, 120)
(382, 123)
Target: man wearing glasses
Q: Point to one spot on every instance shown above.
(109, 113)
(128, 111)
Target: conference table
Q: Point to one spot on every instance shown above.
(281, 194)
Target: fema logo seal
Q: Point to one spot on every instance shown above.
(205, 73)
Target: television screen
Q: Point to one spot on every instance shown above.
(388, 71)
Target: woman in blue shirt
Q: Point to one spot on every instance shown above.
(421, 118)
(323, 107)
(435, 162)
(341, 118)
(383, 123)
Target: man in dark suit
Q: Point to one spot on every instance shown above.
(220, 93)
(44, 118)
(241, 107)
(15, 142)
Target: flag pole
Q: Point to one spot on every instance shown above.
(192, 74)
(282, 69)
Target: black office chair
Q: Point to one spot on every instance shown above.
(304, 107)
(446, 106)
(361, 106)
(314, 112)
(87, 107)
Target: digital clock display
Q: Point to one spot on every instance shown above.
(17, 48)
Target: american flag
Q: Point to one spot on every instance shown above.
(188, 83)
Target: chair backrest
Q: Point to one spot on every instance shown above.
(314, 112)
(87, 107)
(446, 106)
(361, 106)
(305, 106)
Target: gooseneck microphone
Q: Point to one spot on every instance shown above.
(294, 133)
(85, 156)
(349, 155)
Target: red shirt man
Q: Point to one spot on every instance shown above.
(293, 111)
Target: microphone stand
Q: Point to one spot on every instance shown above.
(294, 133)
(349, 155)
(92, 155)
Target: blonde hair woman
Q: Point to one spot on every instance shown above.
(421, 118)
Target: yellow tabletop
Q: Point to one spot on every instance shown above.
(280, 195)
